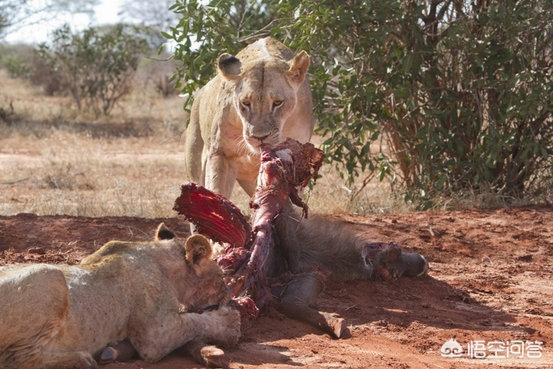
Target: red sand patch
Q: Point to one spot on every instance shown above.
(491, 279)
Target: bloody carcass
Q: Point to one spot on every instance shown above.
(284, 171)
(304, 252)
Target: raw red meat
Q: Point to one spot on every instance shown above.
(284, 170)
(213, 215)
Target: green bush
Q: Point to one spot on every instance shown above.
(205, 31)
(23, 61)
(44, 75)
(14, 59)
(459, 92)
(15, 67)
(96, 66)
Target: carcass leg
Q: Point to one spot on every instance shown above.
(297, 299)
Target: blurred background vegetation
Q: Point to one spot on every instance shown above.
(457, 94)
(440, 101)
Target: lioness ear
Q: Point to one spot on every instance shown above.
(298, 67)
(163, 233)
(197, 248)
(229, 66)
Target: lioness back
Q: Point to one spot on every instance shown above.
(22, 290)
(59, 316)
(260, 96)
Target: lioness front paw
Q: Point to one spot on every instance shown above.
(213, 357)
(227, 331)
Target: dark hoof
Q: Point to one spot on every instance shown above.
(338, 328)
(415, 265)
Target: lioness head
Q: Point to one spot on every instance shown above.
(200, 283)
(265, 94)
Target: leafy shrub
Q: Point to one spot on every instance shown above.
(96, 65)
(14, 59)
(42, 74)
(207, 29)
(23, 61)
(15, 67)
(156, 73)
(459, 92)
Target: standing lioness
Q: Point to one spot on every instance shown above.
(59, 316)
(259, 96)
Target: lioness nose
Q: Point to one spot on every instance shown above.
(260, 138)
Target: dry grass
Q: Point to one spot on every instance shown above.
(56, 160)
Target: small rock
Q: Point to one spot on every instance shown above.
(525, 258)
(380, 323)
(37, 251)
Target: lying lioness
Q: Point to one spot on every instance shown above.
(150, 293)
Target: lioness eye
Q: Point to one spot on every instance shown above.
(277, 103)
(245, 103)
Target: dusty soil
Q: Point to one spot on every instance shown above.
(491, 279)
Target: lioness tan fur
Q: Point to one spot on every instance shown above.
(59, 316)
(261, 95)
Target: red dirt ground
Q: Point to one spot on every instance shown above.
(491, 278)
